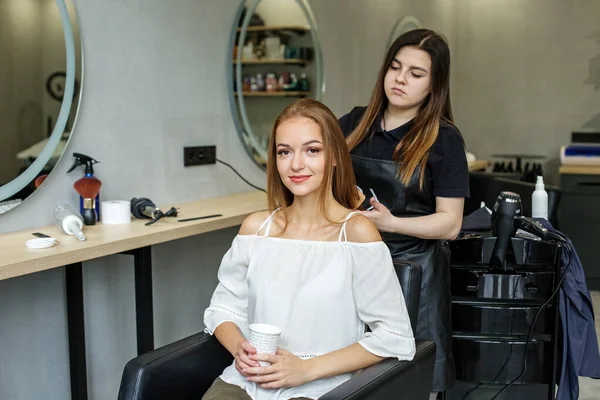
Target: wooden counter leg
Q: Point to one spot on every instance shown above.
(76, 331)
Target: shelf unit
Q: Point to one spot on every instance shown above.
(275, 94)
(300, 61)
(283, 28)
(294, 61)
(492, 312)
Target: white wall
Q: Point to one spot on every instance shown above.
(521, 71)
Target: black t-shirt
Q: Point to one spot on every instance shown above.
(447, 159)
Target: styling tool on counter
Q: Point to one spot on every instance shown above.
(69, 220)
(43, 235)
(203, 217)
(82, 159)
(116, 212)
(144, 208)
(88, 188)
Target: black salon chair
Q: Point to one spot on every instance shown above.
(186, 369)
(486, 187)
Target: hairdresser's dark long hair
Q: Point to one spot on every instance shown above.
(413, 149)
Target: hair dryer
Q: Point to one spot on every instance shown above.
(507, 207)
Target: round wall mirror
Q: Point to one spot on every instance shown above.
(40, 75)
(274, 59)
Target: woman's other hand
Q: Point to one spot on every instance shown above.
(286, 370)
(242, 357)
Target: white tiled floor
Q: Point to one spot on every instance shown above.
(589, 389)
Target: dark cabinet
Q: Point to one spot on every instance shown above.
(580, 221)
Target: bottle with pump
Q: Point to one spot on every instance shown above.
(82, 159)
(539, 200)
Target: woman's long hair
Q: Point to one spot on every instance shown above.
(413, 150)
(339, 175)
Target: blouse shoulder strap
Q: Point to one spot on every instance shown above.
(343, 230)
(267, 222)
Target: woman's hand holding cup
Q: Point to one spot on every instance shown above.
(242, 359)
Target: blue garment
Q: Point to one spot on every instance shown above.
(580, 355)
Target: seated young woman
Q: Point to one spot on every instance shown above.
(310, 266)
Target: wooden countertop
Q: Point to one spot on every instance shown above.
(579, 170)
(102, 240)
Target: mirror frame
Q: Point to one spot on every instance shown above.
(243, 127)
(404, 25)
(25, 178)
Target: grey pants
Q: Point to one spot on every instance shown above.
(221, 390)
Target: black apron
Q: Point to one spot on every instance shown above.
(409, 201)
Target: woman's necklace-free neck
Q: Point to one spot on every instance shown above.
(396, 121)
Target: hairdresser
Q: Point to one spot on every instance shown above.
(410, 164)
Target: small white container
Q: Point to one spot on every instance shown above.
(40, 243)
(539, 200)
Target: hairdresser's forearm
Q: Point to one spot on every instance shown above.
(348, 359)
(440, 225)
(228, 334)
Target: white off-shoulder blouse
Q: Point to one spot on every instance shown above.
(321, 294)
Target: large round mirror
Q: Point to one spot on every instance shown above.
(404, 25)
(40, 75)
(274, 59)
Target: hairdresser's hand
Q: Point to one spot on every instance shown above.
(286, 370)
(381, 216)
(242, 357)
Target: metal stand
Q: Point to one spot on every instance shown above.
(76, 323)
(76, 331)
(143, 299)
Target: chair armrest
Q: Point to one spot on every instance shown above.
(181, 370)
(392, 379)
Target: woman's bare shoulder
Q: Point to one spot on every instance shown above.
(252, 222)
(361, 229)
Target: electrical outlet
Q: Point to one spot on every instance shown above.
(199, 155)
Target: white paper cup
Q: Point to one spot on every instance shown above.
(265, 339)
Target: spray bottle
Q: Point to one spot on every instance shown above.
(539, 200)
(82, 159)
